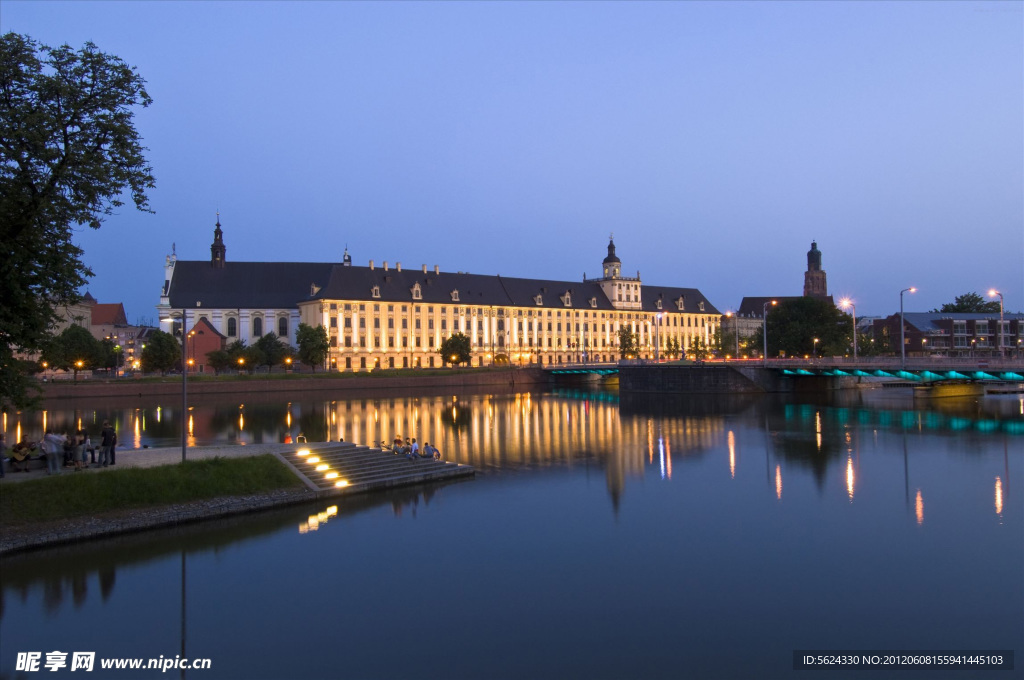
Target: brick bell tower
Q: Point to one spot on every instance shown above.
(815, 284)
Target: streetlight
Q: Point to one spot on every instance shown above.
(78, 367)
(999, 334)
(903, 348)
(735, 330)
(764, 329)
(814, 348)
(844, 303)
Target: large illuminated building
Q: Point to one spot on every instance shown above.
(387, 316)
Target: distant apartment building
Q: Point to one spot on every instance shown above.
(953, 333)
(387, 316)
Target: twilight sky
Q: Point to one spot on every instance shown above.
(716, 140)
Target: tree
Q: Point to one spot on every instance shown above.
(699, 349)
(794, 324)
(273, 350)
(628, 341)
(969, 303)
(218, 360)
(161, 353)
(74, 349)
(69, 151)
(456, 349)
(314, 345)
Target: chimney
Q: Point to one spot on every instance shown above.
(385, 265)
(398, 266)
(437, 270)
(424, 269)
(371, 265)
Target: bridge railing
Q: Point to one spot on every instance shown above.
(912, 363)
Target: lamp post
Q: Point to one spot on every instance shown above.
(844, 303)
(999, 333)
(903, 347)
(764, 330)
(735, 330)
(814, 348)
(184, 386)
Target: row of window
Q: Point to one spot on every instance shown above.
(257, 327)
(980, 328)
(501, 312)
(552, 343)
(530, 325)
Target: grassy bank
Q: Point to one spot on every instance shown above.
(76, 495)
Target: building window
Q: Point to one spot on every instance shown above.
(348, 322)
(334, 341)
(232, 327)
(362, 362)
(981, 327)
(282, 327)
(375, 292)
(348, 341)
(455, 296)
(348, 362)
(334, 322)
(257, 327)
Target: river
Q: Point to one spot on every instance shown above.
(603, 537)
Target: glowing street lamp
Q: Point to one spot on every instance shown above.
(903, 348)
(844, 303)
(764, 329)
(999, 334)
(735, 330)
(814, 348)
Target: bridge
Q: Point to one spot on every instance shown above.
(791, 374)
(915, 369)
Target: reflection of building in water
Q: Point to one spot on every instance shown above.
(524, 430)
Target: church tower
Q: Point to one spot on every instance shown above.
(622, 292)
(218, 251)
(611, 264)
(814, 278)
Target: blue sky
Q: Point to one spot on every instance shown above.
(716, 140)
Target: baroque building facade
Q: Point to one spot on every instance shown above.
(382, 316)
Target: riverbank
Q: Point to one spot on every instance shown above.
(17, 535)
(409, 379)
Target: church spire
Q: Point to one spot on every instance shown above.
(218, 251)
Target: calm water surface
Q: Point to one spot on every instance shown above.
(601, 538)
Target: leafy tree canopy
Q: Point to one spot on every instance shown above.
(313, 345)
(161, 353)
(970, 303)
(74, 349)
(628, 343)
(69, 151)
(456, 349)
(794, 324)
(273, 350)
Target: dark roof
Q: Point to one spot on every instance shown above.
(251, 285)
(283, 285)
(356, 283)
(928, 322)
(753, 307)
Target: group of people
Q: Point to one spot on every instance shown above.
(411, 449)
(62, 450)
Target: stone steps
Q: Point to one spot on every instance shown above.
(354, 468)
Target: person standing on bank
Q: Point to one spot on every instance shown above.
(107, 438)
(53, 447)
